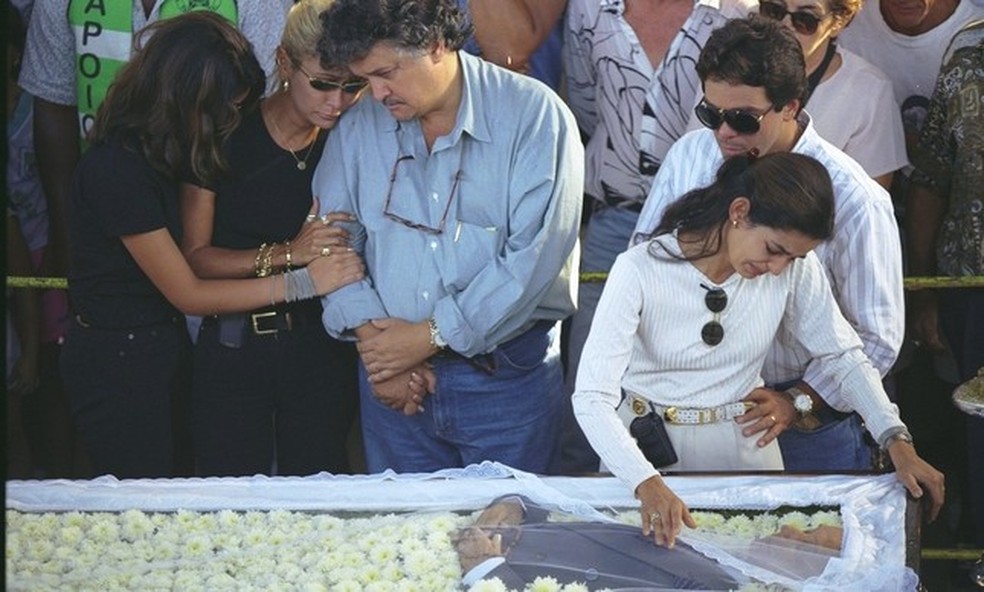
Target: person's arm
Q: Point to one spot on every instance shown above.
(924, 210)
(158, 256)
(56, 141)
(579, 67)
(509, 31)
(26, 313)
(866, 276)
(208, 261)
(926, 204)
(816, 321)
(597, 394)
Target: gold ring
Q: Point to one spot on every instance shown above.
(325, 251)
(654, 517)
(774, 420)
(310, 218)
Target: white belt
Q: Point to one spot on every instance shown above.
(690, 415)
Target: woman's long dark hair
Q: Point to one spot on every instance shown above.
(179, 98)
(787, 191)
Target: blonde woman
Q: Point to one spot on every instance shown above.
(271, 381)
(850, 99)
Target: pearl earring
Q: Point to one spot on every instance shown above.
(734, 223)
(285, 86)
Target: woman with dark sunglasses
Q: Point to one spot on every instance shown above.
(270, 386)
(686, 320)
(168, 112)
(851, 101)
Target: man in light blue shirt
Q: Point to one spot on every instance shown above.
(466, 180)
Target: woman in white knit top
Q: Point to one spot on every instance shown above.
(686, 319)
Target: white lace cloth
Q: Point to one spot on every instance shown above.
(872, 508)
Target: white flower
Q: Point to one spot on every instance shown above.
(576, 587)
(544, 584)
(795, 519)
(491, 585)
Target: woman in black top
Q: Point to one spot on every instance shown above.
(166, 116)
(272, 385)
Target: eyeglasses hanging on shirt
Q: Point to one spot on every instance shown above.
(387, 211)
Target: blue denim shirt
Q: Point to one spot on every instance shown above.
(506, 255)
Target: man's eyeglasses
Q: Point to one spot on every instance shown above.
(740, 120)
(410, 223)
(715, 300)
(352, 87)
(804, 22)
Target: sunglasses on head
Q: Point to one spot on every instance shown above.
(715, 300)
(740, 120)
(352, 87)
(804, 22)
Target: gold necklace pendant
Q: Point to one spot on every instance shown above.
(301, 164)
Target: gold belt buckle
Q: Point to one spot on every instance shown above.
(705, 416)
(670, 414)
(262, 315)
(639, 406)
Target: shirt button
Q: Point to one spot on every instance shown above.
(434, 196)
(425, 295)
(434, 245)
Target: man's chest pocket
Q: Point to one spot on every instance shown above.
(471, 249)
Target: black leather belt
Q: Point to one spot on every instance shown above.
(273, 320)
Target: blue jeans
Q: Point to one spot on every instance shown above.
(607, 236)
(510, 414)
(837, 445)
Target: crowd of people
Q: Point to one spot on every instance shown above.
(376, 217)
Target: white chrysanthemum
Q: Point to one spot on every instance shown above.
(393, 572)
(576, 587)
(220, 581)
(544, 584)
(69, 536)
(826, 518)
(419, 563)
(197, 545)
(345, 574)
(254, 537)
(103, 530)
(347, 586)
(795, 519)
(383, 553)
(490, 585)
(380, 586)
(708, 520)
(313, 586)
(135, 525)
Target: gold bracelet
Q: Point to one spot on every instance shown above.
(267, 265)
(258, 260)
(287, 255)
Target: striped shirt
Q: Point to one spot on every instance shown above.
(646, 339)
(863, 258)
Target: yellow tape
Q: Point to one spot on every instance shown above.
(588, 277)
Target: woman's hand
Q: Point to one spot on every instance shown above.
(663, 513)
(339, 269)
(773, 413)
(318, 234)
(915, 474)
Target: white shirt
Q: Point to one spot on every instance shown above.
(646, 340)
(910, 62)
(867, 126)
(863, 258)
(632, 110)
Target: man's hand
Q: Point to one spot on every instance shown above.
(475, 546)
(923, 323)
(406, 391)
(773, 413)
(396, 347)
(663, 513)
(915, 474)
(826, 536)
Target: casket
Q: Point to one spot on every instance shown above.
(873, 509)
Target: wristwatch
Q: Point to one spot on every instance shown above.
(802, 402)
(435, 335)
(900, 436)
